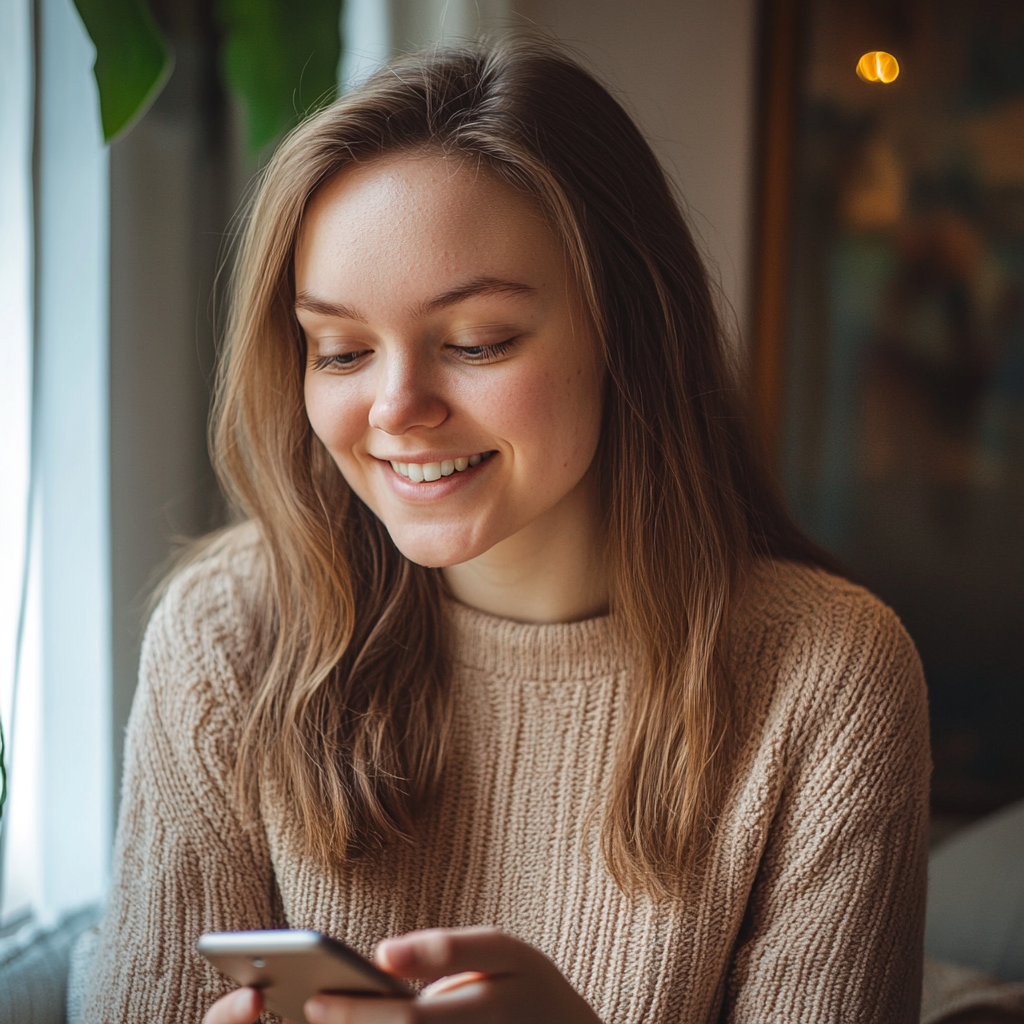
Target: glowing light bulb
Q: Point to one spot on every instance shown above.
(878, 66)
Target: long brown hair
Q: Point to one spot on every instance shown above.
(350, 715)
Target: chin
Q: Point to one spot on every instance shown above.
(436, 549)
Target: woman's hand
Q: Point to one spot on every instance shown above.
(243, 1006)
(505, 981)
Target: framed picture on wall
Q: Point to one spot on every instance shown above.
(889, 322)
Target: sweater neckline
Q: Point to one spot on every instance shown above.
(548, 652)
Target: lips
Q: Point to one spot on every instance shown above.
(428, 472)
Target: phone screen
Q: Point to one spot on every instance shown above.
(290, 965)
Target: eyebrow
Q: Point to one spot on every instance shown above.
(477, 286)
(471, 289)
(306, 301)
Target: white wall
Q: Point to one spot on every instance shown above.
(685, 69)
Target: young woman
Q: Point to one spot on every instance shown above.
(516, 663)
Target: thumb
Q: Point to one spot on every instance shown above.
(437, 952)
(240, 1007)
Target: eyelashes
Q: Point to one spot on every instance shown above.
(466, 353)
(484, 353)
(343, 361)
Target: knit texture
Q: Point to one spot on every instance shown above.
(808, 908)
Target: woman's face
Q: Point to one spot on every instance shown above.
(451, 372)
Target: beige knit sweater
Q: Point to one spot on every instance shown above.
(809, 908)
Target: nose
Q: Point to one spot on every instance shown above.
(406, 397)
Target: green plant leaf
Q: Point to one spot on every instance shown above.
(281, 57)
(133, 60)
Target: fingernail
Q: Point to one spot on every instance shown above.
(451, 982)
(314, 1010)
(242, 1001)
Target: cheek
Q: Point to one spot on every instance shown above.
(334, 414)
(550, 413)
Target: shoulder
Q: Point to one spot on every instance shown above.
(825, 653)
(216, 589)
(787, 608)
(830, 798)
(202, 637)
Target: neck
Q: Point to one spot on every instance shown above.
(553, 570)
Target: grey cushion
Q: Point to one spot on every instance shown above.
(33, 975)
(976, 896)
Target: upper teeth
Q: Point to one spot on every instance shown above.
(418, 472)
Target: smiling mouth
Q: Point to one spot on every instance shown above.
(427, 472)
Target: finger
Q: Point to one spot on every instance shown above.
(240, 1007)
(328, 1009)
(436, 952)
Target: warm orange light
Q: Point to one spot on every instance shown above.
(878, 66)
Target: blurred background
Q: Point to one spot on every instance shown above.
(867, 237)
(898, 419)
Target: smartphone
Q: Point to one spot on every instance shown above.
(289, 966)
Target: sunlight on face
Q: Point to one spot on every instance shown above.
(450, 370)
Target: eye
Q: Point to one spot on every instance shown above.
(485, 353)
(341, 361)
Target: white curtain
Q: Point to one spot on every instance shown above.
(15, 393)
(54, 433)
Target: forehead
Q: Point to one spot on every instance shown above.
(424, 213)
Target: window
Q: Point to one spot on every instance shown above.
(15, 427)
(56, 830)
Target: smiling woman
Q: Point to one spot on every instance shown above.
(516, 662)
(478, 373)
